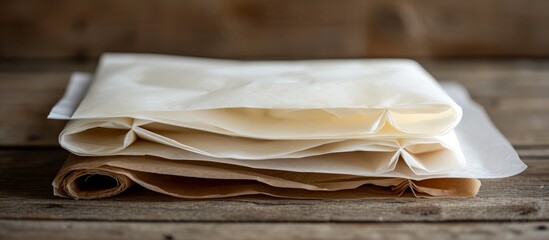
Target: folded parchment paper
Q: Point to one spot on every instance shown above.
(199, 146)
(487, 153)
(98, 177)
(326, 111)
(315, 99)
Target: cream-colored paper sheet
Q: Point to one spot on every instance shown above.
(425, 156)
(316, 99)
(487, 153)
(250, 103)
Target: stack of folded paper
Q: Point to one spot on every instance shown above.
(206, 128)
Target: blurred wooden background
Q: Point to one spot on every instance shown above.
(64, 29)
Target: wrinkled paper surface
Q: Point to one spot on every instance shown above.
(190, 179)
(204, 137)
(315, 99)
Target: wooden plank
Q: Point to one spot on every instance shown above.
(270, 29)
(27, 194)
(533, 152)
(25, 101)
(514, 93)
(138, 230)
(497, 79)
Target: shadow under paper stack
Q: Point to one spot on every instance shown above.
(337, 129)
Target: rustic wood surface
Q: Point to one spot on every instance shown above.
(282, 231)
(274, 28)
(515, 93)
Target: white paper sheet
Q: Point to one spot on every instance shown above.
(314, 99)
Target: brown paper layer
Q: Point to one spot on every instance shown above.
(100, 177)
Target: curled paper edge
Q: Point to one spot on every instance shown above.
(76, 90)
(480, 140)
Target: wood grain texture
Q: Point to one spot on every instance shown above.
(66, 29)
(10, 229)
(27, 194)
(25, 101)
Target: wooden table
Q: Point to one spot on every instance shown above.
(514, 92)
